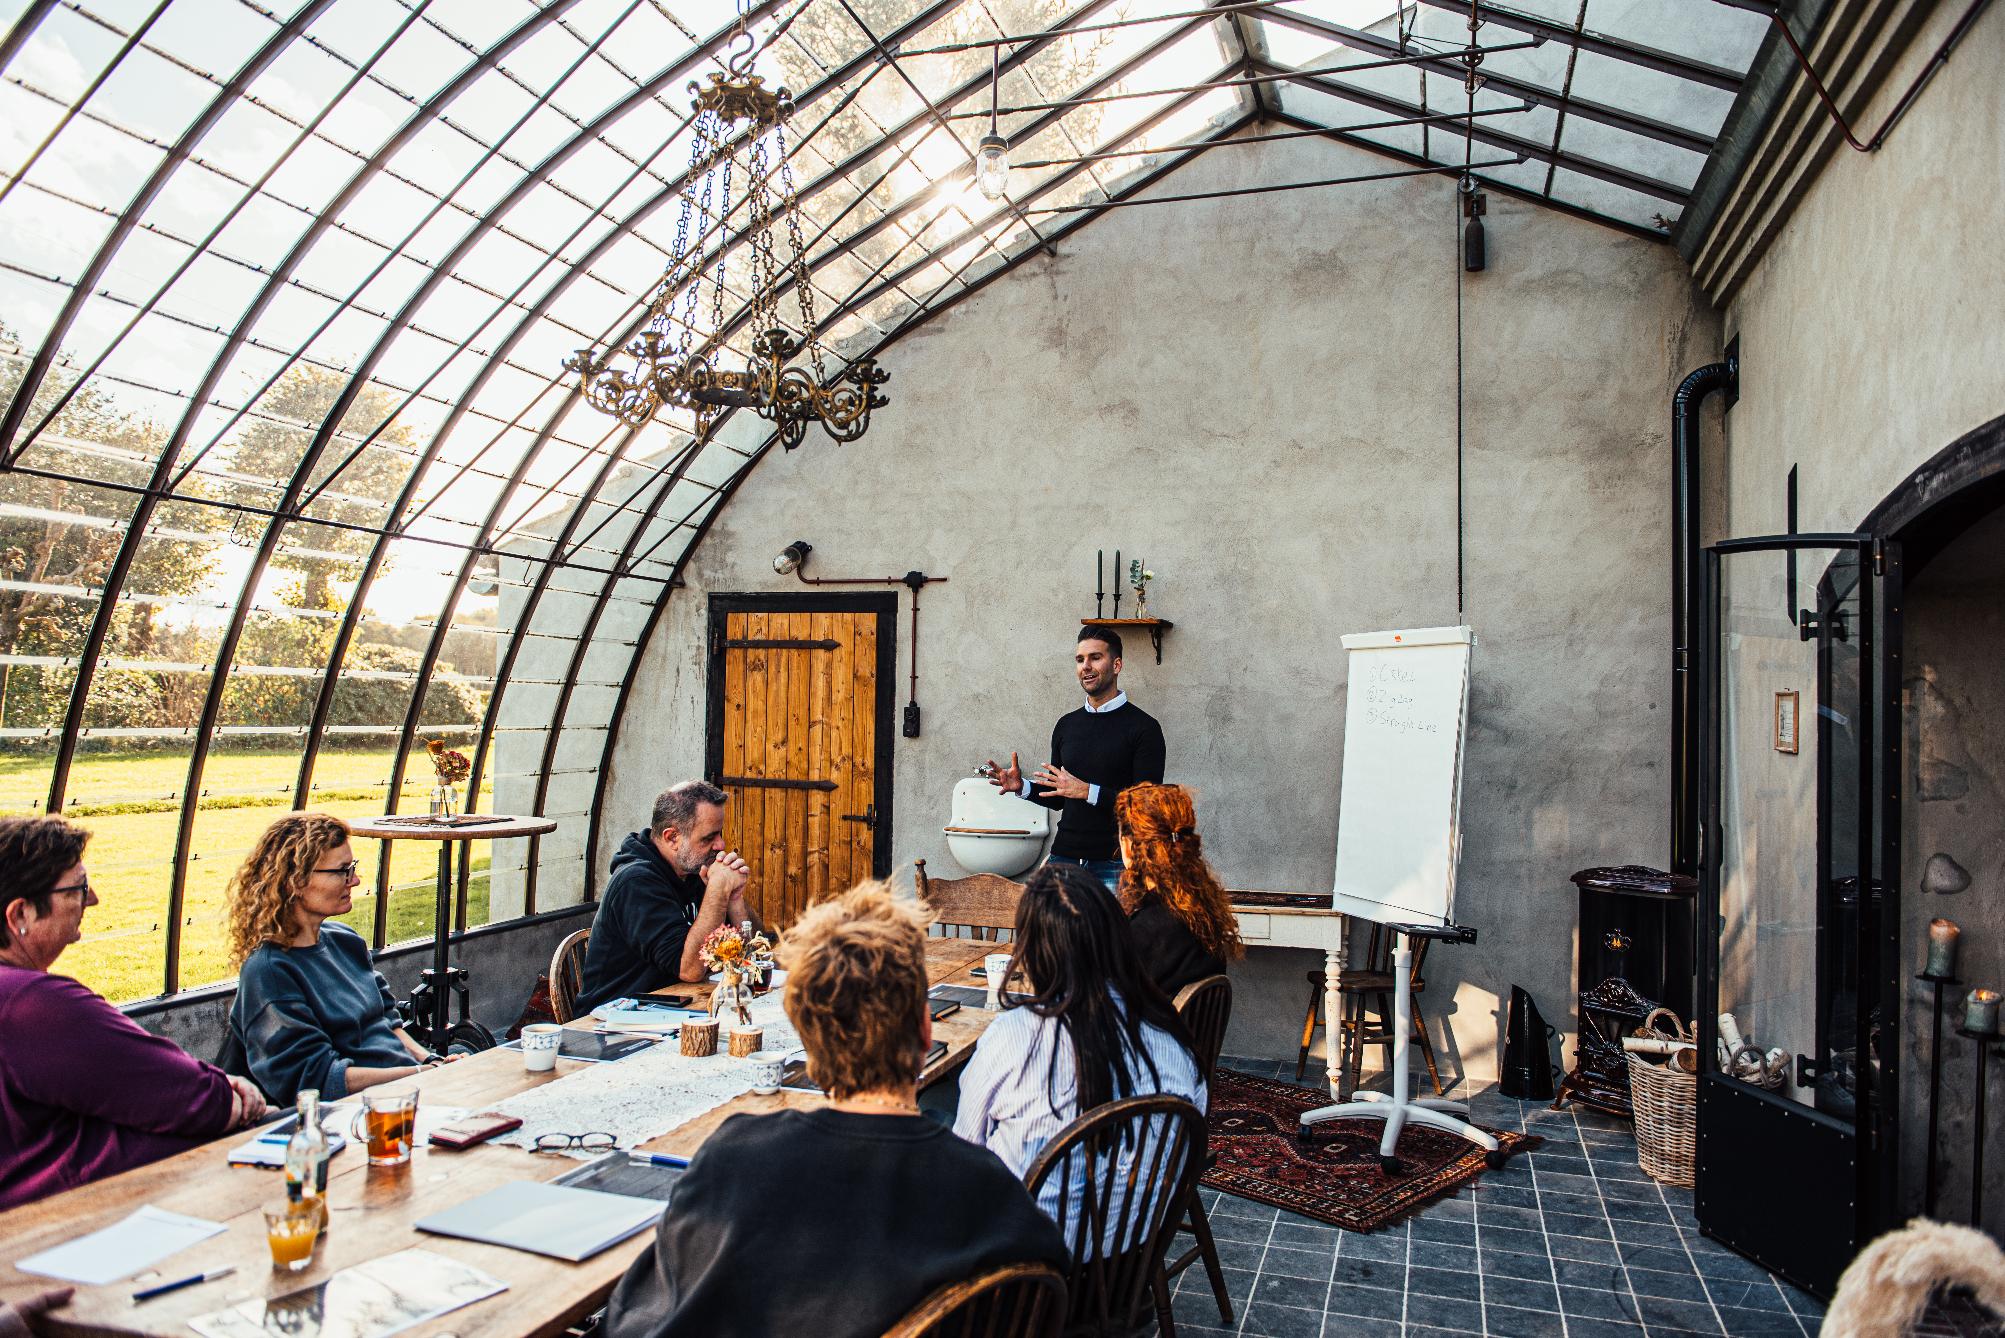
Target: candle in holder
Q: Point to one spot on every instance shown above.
(699, 1039)
(1980, 1012)
(1942, 937)
(746, 1040)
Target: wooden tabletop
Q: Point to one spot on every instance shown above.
(493, 830)
(374, 1208)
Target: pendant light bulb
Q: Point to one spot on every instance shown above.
(992, 166)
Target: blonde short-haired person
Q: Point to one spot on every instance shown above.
(311, 1008)
(870, 1204)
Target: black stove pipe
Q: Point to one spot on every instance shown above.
(1686, 405)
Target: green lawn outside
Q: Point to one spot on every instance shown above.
(123, 951)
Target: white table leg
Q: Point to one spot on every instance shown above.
(1333, 1004)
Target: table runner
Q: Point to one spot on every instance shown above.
(648, 1094)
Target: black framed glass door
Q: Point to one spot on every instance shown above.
(1794, 966)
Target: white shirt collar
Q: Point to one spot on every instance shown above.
(1119, 700)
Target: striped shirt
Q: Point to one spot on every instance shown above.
(1013, 1102)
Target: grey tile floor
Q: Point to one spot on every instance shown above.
(1570, 1240)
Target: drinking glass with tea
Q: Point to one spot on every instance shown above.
(390, 1123)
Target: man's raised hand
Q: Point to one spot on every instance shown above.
(1059, 783)
(1009, 778)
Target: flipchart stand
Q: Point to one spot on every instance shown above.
(1400, 1107)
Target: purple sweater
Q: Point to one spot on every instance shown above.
(86, 1092)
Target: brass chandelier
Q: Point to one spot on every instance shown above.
(739, 122)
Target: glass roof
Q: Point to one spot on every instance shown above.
(285, 289)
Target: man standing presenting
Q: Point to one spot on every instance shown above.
(670, 887)
(1097, 751)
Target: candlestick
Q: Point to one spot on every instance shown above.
(1980, 1012)
(1099, 579)
(1117, 583)
(1942, 939)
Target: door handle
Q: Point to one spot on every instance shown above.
(868, 817)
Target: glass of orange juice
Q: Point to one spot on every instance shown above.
(291, 1228)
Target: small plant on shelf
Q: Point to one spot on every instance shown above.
(1139, 577)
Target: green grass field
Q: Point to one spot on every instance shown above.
(129, 805)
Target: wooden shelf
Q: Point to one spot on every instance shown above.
(1156, 626)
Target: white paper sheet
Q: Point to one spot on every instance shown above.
(372, 1300)
(121, 1249)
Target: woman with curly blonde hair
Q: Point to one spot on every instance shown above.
(1182, 920)
(311, 1009)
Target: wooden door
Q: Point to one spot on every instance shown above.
(800, 739)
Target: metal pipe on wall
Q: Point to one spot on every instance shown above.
(1686, 406)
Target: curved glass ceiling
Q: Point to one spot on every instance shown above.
(285, 290)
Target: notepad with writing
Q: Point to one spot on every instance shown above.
(556, 1220)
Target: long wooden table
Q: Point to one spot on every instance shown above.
(374, 1208)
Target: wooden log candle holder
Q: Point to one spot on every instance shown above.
(746, 1040)
(699, 1039)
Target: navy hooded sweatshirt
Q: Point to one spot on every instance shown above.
(644, 917)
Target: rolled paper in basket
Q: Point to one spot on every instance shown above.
(1654, 1045)
(699, 1039)
(746, 1040)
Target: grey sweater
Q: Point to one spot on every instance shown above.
(303, 1015)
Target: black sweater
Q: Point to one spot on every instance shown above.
(828, 1223)
(643, 920)
(1170, 953)
(1110, 749)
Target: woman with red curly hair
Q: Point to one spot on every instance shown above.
(1182, 920)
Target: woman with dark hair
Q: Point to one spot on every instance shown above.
(85, 1092)
(1182, 920)
(1093, 1029)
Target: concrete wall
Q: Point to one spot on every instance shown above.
(1870, 334)
(1258, 396)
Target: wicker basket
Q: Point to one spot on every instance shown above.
(1666, 1100)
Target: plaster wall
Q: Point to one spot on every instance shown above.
(1869, 333)
(1258, 397)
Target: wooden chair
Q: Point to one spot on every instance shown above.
(984, 904)
(1123, 1222)
(1016, 1301)
(1205, 1007)
(567, 974)
(1368, 991)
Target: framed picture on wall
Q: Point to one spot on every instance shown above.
(1785, 722)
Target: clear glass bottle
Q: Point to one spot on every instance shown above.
(755, 975)
(306, 1155)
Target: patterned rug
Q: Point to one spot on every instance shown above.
(1336, 1178)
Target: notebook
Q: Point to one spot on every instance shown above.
(370, 1300)
(616, 1173)
(268, 1148)
(561, 1221)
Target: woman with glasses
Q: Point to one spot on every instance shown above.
(85, 1092)
(311, 1009)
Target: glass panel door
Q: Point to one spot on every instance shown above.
(1789, 807)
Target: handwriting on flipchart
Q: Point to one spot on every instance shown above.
(1389, 701)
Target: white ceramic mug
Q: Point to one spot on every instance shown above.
(768, 1066)
(996, 964)
(540, 1042)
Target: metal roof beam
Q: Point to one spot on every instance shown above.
(1448, 66)
(1650, 58)
(1501, 139)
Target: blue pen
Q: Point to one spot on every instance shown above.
(657, 1159)
(149, 1293)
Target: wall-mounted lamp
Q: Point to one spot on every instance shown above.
(794, 558)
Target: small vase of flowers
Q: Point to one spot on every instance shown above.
(450, 767)
(739, 961)
(1139, 577)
